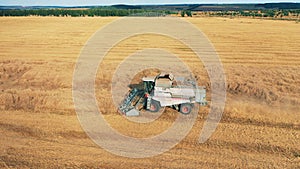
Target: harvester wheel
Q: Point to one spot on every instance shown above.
(154, 106)
(186, 108)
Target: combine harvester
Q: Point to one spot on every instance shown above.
(164, 90)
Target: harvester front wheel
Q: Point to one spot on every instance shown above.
(154, 106)
(185, 108)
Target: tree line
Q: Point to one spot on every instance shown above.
(259, 13)
(109, 11)
(79, 12)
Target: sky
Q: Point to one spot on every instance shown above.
(131, 2)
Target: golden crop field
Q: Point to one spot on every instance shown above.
(260, 127)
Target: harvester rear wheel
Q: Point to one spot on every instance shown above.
(185, 108)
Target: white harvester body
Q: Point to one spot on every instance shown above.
(162, 91)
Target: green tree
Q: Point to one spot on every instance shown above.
(188, 13)
(182, 13)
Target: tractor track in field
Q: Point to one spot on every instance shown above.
(254, 122)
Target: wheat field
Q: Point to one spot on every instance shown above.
(260, 127)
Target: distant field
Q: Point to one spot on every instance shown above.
(260, 127)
